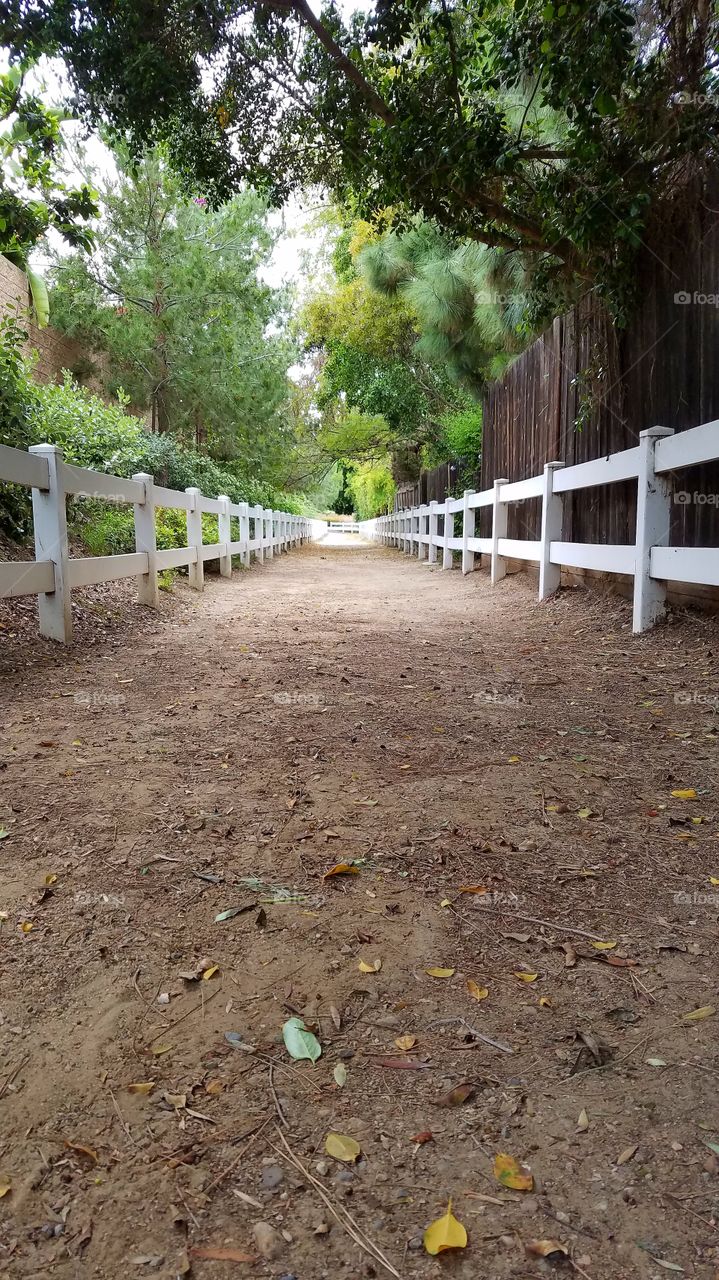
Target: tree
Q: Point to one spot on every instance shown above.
(560, 130)
(34, 195)
(377, 392)
(172, 293)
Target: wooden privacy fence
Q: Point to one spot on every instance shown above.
(649, 559)
(53, 573)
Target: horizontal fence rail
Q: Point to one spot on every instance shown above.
(54, 573)
(430, 531)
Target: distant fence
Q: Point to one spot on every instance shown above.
(649, 558)
(54, 573)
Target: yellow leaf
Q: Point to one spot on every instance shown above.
(688, 793)
(714, 879)
(440, 973)
(545, 1002)
(159, 1049)
(5, 1184)
(525, 977)
(50, 878)
(406, 1042)
(145, 1087)
(341, 1147)
(476, 992)
(698, 1015)
(446, 902)
(514, 759)
(547, 1249)
(210, 973)
(512, 1174)
(26, 926)
(365, 967)
(603, 946)
(445, 1233)
(341, 869)
(584, 813)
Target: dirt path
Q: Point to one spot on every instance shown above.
(350, 705)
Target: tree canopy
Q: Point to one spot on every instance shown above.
(556, 130)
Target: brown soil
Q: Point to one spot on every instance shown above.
(344, 705)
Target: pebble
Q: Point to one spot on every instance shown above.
(272, 1176)
(268, 1239)
(346, 1054)
(322, 1168)
(415, 1243)
(345, 1175)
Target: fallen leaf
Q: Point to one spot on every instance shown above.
(340, 1147)
(27, 926)
(512, 1174)
(335, 1016)
(472, 888)
(477, 992)
(604, 946)
(456, 1096)
(584, 813)
(627, 1154)
(143, 1087)
(582, 1121)
(668, 1266)
(214, 1088)
(570, 955)
(655, 1062)
(5, 1184)
(714, 879)
(406, 1042)
(440, 973)
(299, 1042)
(445, 1233)
(687, 793)
(220, 1254)
(545, 1002)
(698, 1015)
(176, 1100)
(619, 962)
(365, 967)
(514, 759)
(547, 1249)
(421, 1138)
(525, 977)
(341, 869)
(340, 1074)
(210, 973)
(51, 878)
(517, 937)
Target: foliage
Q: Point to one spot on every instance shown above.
(372, 489)
(173, 294)
(105, 438)
(557, 130)
(375, 388)
(34, 195)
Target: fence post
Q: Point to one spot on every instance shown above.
(196, 571)
(499, 530)
(259, 518)
(270, 518)
(448, 533)
(552, 516)
(224, 534)
(654, 510)
(432, 549)
(146, 540)
(245, 533)
(467, 532)
(421, 546)
(49, 513)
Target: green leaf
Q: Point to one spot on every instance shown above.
(299, 1042)
(40, 299)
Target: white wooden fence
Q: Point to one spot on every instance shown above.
(650, 559)
(54, 573)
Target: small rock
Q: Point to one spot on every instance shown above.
(415, 1243)
(322, 1168)
(530, 1204)
(345, 1175)
(268, 1239)
(272, 1176)
(346, 1054)
(562, 1217)
(322, 1229)
(386, 1020)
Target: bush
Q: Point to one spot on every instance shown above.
(105, 438)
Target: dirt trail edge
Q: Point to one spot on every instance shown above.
(524, 964)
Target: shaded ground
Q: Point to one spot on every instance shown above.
(351, 705)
